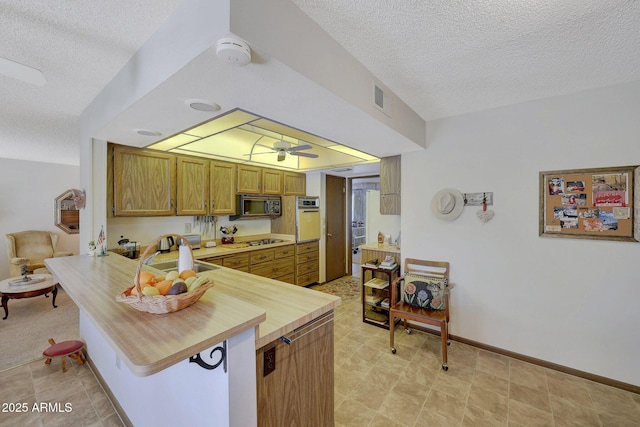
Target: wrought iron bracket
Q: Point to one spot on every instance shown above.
(223, 358)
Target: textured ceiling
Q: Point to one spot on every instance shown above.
(446, 58)
(442, 58)
(79, 46)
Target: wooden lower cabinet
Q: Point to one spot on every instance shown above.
(274, 263)
(307, 263)
(295, 381)
(238, 262)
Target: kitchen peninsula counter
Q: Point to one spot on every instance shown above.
(231, 322)
(237, 301)
(148, 342)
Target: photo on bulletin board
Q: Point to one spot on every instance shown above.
(596, 203)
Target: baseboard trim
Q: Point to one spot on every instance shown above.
(123, 416)
(540, 362)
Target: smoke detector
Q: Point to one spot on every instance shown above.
(233, 51)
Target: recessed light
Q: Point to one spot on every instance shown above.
(147, 132)
(202, 105)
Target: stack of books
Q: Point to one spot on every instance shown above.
(373, 263)
(373, 299)
(385, 303)
(389, 263)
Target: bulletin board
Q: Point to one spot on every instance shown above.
(589, 203)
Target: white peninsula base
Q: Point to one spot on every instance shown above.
(184, 393)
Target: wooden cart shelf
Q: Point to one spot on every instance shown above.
(375, 290)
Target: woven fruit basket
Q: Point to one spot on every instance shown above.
(160, 304)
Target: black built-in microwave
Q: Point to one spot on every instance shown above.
(255, 206)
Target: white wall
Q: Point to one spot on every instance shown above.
(28, 191)
(567, 301)
(375, 223)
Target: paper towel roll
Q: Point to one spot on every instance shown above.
(185, 259)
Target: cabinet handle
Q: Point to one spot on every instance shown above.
(325, 319)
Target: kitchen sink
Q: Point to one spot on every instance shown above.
(264, 242)
(198, 266)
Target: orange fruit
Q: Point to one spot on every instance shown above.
(164, 286)
(134, 292)
(185, 274)
(146, 278)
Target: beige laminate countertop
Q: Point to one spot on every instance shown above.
(288, 306)
(229, 249)
(149, 343)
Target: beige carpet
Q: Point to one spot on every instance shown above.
(25, 333)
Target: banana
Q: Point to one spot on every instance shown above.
(197, 283)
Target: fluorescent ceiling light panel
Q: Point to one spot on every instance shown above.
(243, 137)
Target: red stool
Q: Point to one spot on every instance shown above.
(72, 348)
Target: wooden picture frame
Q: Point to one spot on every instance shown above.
(596, 204)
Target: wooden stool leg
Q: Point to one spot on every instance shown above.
(77, 356)
(64, 364)
(48, 361)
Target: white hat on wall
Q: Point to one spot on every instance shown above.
(447, 204)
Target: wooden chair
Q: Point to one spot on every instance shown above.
(417, 303)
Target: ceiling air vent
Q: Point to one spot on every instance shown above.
(382, 98)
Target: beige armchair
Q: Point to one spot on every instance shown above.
(31, 248)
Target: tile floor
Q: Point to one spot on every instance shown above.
(73, 398)
(372, 387)
(376, 388)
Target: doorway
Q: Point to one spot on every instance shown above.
(335, 248)
(360, 216)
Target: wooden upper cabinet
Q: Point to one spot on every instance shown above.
(390, 185)
(271, 181)
(223, 188)
(192, 192)
(295, 184)
(144, 182)
(249, 179)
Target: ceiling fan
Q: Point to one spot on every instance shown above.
(22, 72)
(284, 147)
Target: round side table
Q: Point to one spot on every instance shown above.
(45, 284)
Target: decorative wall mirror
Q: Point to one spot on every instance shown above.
(66, 211)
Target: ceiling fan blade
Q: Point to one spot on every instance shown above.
(22, 72)
(262, 152)
(299, 147)
(310, 155)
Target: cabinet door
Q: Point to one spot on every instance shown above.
(223, 188)
(390, 185)
(192, 191)
(271, 181)
(143, 182)
(295, 184)
(295, 382)
(249, 179)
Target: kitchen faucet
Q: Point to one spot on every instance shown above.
(148, 260)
